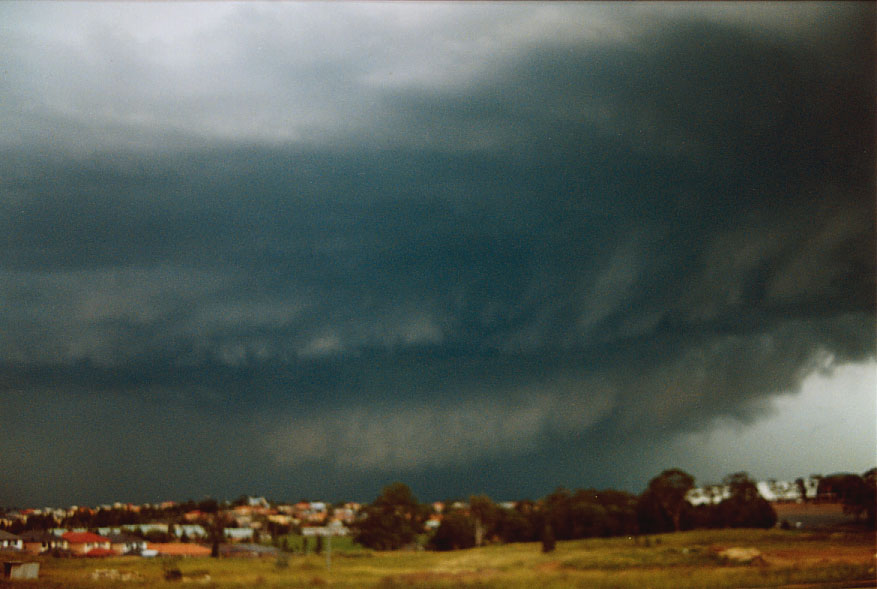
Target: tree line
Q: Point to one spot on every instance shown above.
(396, 519)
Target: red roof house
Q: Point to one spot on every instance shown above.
(83, 542)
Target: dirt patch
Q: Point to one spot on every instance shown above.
(742, 555)
(115, 575)
(810, 556)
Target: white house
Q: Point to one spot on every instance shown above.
(10, 541)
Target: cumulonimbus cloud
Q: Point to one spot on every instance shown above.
(439, 433)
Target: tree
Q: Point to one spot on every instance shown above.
(621, 510)
(208, 505)
(840, 487)
(665, 496)
(857, 493)
(517, 525)
(392, 521)
(588, 516)
(455, 532)
(802, 489)
(870, 496)
(557, 513)
(548, 540)
(484, 515)
(745, 508)
(216, 533)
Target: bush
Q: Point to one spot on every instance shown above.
(456, 531)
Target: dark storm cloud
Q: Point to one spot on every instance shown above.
(542, 256)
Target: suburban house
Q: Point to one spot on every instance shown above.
(191, 531)
(10, 541)
(239, 534)
(37, 541)
(84, 542)
(147, 528)
(126, 544)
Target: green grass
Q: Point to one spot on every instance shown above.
(681, 560)
(340, 544)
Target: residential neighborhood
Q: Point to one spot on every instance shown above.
(165, 529)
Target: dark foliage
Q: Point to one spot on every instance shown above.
(666, 494)
(745, 508)
(582, 514)
(548, 539)
(392, 521)
(518, 524)
(857, 493)
(456, 531)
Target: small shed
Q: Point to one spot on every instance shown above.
(21, 570)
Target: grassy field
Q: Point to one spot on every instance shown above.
(688, 559)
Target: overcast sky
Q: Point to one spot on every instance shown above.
(309, 249)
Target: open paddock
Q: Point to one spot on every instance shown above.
(687, 559)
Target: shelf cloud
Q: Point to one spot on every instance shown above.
(468, 245)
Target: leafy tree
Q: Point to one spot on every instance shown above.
(588, 516)
(392, 521)
(517, 525)
(745, 508)
(664, 500)
(869, 497)
(558, 513)
(841, 487)
(857, 493)
(208, 505)
(620, 508)
(456, 531)
(802, 489)
(484, 516)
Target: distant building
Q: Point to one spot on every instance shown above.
(709, 495)
(258, 502)
(771, 490)
(191, 531)
(146, 528)
(37, 542)
(85, 542)
(126, 544)
(238, 534)
(10, 541)
(21, 570)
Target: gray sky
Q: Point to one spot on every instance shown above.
(307, 249)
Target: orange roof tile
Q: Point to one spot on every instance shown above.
(83, 538)
(179, 548)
